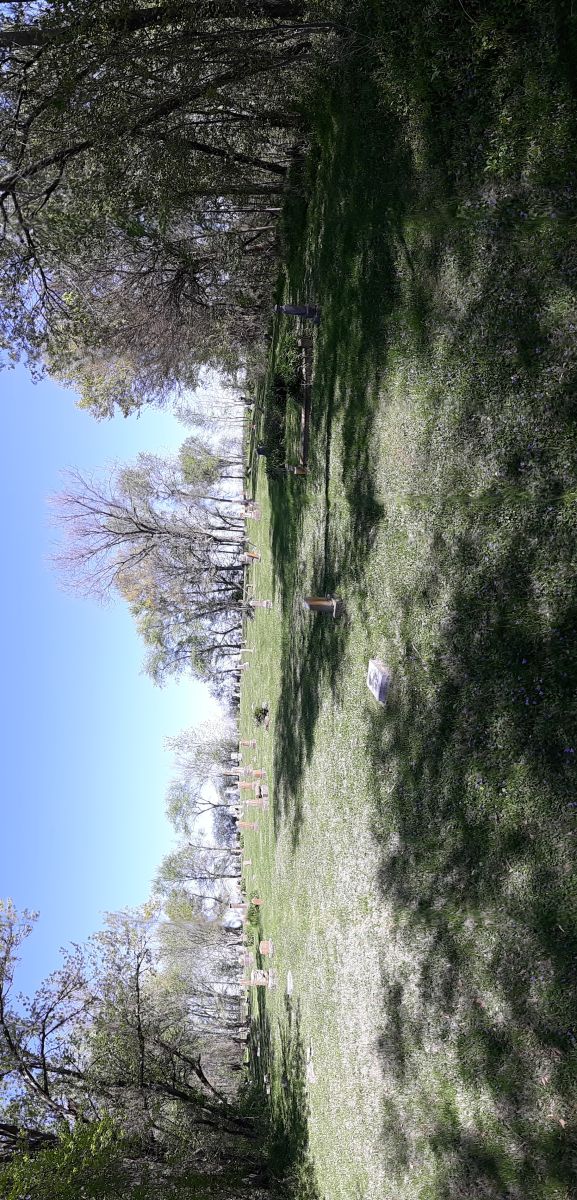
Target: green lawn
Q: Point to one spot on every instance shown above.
(417, 865)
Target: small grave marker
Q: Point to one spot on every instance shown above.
(259, 978)
(257, 802)
(327, 605)
(378, 679)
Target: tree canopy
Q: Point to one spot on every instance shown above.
(170, 538)
(102, 1071)
(144, 148)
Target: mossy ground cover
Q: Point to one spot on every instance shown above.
(418, 863)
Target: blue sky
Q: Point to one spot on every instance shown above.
(83, 769)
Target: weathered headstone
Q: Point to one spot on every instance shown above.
(259, 978)
(327, 605)
(310, 311)
(378, 679)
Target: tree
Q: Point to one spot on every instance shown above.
(203, 751)
(100, 1039)
(172, 551)
(137, 239)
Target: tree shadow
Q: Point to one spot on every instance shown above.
(472, 777)
(311, 660)
(280, 1079)
(354, 279)
(474, 809)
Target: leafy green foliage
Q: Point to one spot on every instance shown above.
(88, 1161)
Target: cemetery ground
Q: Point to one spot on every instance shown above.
(417, 864)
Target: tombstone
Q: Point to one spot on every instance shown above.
(258, 903)
(246, 958)
(258, 978)
(378, 679)
(258, 772)
(248, 825)
(245, 786)
(311, 312)
(260, 603)
(327, 605)
(248, 742)
(266, 948)
(247, 862)
(296, 470)
(250, 555)
(257, 802)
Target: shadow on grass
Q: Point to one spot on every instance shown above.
(473, 780)
(311, 661)
(288, 501)
(355, 282)
(475, 809)
(281, 1087)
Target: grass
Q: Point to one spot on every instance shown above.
(418, 864)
